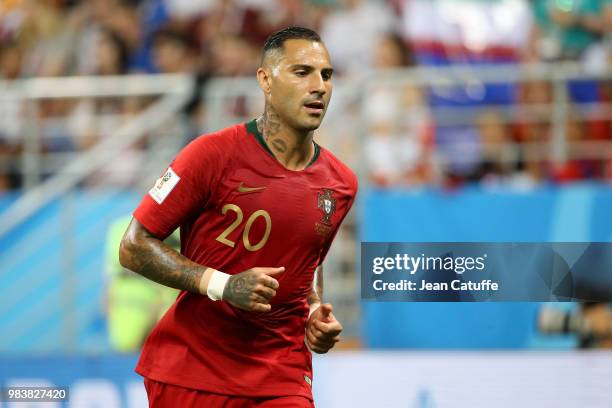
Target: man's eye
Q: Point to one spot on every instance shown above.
(300, 73)
(326, 76)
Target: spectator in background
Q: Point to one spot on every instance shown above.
(173, 53)
(121, 17)
(232, 55)
(251, 20)
(465, 33)
(111, 54)
(11, 116)
(220, 37)
(397, 149)
(607, 18)
(573, 30)
(607, 15)
(499, 162)
(535, 133)
(222, 17)
(92, 118)
(90, 20)
(45, 38)
(533, 127)
(575, 25)
(188, 9)
(11, 18)
(351, 33)
(284, 13)
(576, 168)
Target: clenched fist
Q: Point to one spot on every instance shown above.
(322, 329)
(252, 289)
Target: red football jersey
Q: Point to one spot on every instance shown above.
(239, 208)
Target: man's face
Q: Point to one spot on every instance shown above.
(301, 83)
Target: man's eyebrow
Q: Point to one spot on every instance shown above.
(311, 68)
(302, 66)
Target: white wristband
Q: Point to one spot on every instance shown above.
(216, 285)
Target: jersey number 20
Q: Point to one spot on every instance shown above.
(222, 238)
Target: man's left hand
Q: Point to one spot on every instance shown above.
(322, 329)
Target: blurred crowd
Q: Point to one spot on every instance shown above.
(409, 141)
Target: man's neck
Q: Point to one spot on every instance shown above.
(292, 149)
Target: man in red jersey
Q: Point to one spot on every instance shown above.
(258, 205)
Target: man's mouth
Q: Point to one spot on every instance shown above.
(315, 107)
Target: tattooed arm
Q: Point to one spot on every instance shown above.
(322, 328)
(148, 256)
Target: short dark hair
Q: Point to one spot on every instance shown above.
(276, 40)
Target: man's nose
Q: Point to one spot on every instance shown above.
(317, 85)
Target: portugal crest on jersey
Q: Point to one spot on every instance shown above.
(327, 204)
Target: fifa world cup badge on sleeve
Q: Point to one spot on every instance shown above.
(164, 185)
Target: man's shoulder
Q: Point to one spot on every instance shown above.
(213, 149)
(228, 135)
(343, 171)
(220, 144)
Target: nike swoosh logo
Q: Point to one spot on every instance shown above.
(244, 189)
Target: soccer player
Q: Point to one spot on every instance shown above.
(258, 205)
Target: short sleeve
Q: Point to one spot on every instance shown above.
(185, 187)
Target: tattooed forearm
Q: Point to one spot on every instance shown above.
(148, 256)
(143, 253)
(316, 293)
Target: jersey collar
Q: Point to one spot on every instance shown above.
(252, 129)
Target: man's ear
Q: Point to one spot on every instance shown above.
(263, 78)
